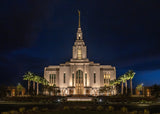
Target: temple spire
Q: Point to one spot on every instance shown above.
(79, 24)
(79, 32)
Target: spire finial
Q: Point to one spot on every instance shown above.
(79, 13)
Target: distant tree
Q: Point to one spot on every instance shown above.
(139, 87)
(155, 90)
(3, 91)
(28, 76)
(19, 88)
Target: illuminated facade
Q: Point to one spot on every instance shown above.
(79, 75)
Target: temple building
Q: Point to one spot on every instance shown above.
(79, 75)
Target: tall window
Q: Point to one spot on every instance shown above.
(86, 79)
(77, 78)
(106, 78)
(54, 78)
(79, 53)
(64, 78)
(51, 78)
(72, 79)
(94, 77)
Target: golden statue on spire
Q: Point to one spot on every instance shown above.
(79, 25)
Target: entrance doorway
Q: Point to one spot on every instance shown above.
(79, 82)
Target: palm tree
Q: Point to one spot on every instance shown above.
(112, 82)
(122, 78)
(126, 78)
(28, 76)
(115, 83)
(33, 79)
(38, 80)
(131, 74)
(45, 84)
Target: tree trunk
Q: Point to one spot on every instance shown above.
(28, 86)
(131, 86)
(33, 85)
(122, 88)
(37, 88)
(126, 86)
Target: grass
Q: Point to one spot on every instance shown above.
(79, 112)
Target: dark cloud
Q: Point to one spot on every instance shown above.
(38, 33)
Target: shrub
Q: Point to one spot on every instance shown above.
(66, 108)
(4, 112)
(75, 107)
(44, 109)
(110, 108)
(29, 110)
(35, 109)
(13, 112)
(140, 112)
(134, 112)
(99, 108)
(89, 108)
(124, 109)
(146, 111)
(22, 109)
(142, 101)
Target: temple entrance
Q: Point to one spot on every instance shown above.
(79, 82)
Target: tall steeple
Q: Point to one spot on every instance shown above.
(79, 49)
(79, 31)
(79, 22)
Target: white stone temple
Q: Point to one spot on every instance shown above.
(79, 75)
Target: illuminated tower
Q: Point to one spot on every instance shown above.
(79, 49)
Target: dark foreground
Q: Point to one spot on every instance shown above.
(58, 105)
(71, 108)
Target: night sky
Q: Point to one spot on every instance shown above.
(38, 33)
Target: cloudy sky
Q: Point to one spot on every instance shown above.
(38, 33)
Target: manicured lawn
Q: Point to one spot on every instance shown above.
(80, 112)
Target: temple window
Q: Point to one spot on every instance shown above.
(79, 53)
(106, 78)
(94, 77)
(54, 79)
(51, 78)
(86, 79)
(64, 78)
(72, 79)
